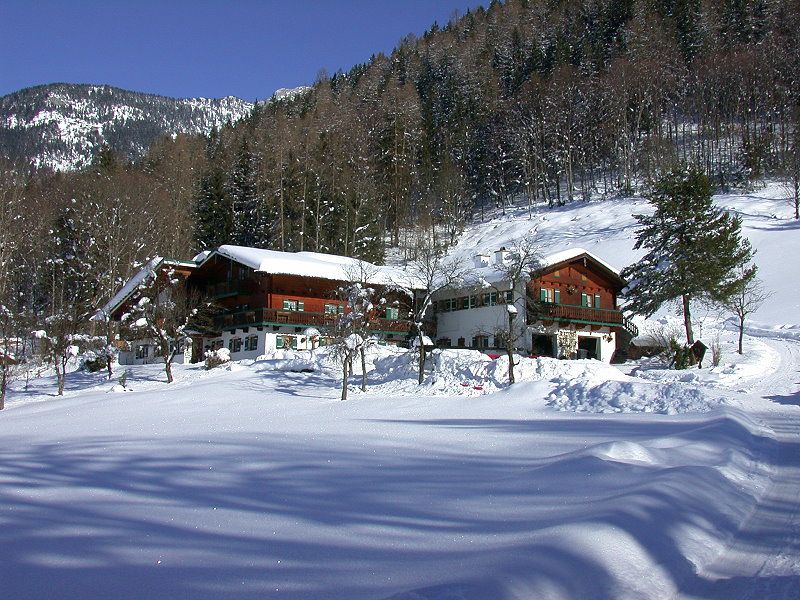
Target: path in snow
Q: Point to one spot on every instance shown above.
(763, 560)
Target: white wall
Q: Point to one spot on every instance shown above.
(484, 320)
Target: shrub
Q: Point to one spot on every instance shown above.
(215, 358)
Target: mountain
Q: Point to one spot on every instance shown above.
(61, 126)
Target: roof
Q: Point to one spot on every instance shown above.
(566, 256)
(491, 274)
(133, 283)
(312, 264)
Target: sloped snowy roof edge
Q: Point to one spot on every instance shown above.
(311, 264)
(130, 286)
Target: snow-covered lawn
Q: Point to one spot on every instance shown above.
(581, 481)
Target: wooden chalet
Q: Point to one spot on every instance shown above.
(569, 308)
(269, 300)
(577, 292)
(142, 350)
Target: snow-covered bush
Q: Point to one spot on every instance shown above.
(215, 358)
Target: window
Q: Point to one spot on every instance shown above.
(557, 274)
(443, 342)
(392, 313)
(480, 341)
(545, 295)
(296, 305)
(331, 309)
(490, 299)
(235, 344)
(557, 296)
(597, 300)
(142, 351)
(279, 341)
(509, 297)
(216, 344)
(584, 299)
(251, 343)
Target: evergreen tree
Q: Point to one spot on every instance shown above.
(695, 251)
(212, 211)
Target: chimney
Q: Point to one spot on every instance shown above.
(500, 256)
(480, 260)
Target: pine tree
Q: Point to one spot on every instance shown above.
(212, 211)
(695, 251)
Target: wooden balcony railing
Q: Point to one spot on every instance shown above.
(272, 316)
(584, 314)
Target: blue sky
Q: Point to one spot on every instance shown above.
(205, 48)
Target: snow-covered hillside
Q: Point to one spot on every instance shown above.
(61, 126)
(583, 480)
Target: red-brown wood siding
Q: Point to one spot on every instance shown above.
(583, 279)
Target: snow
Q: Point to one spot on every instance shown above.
(313, 264)
(583, 480)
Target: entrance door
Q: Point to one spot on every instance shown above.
(588, 347)
(542, 345)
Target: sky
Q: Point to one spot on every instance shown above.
(210, 48)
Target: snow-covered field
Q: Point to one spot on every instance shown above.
(583, 480)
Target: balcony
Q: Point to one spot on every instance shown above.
(226, 289)
(583, 314)
(272, 316)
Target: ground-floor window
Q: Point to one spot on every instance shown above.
(142, 351)
(235, 344)
(480, 341)
(251, 343)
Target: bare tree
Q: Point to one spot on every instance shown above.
(745, 302)
(429, 272)
(519, 264)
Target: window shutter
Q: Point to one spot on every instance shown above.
(287, 305)
(557, 294)
(597, 300)
(301, 306)
(543, 295)
(279, 341)
(584, 300)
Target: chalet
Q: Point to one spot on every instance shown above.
(267, 300)
(143, 351)
(568, 309)
(271, 300)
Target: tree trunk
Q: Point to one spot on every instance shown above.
(510, 349)
(168, 368)
(60, 379)
(687, 321)
(345, 363)
(3, 384)
(421, 377)
(363, 368)
(741, 333)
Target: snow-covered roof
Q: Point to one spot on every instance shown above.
(567, 255)
(313, 264)
(492, 275)
(133, 283)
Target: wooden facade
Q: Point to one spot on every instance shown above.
(248, 298)
(580, 294)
